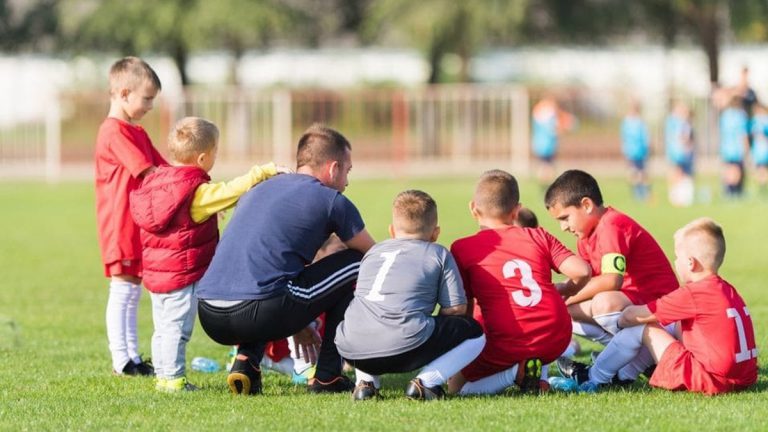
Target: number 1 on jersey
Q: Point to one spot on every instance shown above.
(389, 259)
(745, 353)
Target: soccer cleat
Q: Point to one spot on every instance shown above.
(178, 385)
(648, 372)
(339, 384)
(572, 369)
(416, 390)
(303, 377)
(160, 383)
(588, 387)
(144, 368)
(365, 390)
(244, 378)
(528, 376)
(565, 385)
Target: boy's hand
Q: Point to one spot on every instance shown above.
(283, 170)
(308, 342)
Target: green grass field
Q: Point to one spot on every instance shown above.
(55, 371)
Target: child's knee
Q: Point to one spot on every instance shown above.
(608, 302)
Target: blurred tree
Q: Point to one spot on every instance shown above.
(440, 27)
(28, 26)
(237, 26)
(130, 27)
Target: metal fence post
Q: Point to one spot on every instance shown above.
(53, 140)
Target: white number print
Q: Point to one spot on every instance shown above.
(389, 259)
(745, 353)
(526, 278)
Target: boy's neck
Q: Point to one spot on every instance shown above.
(116, 112)
(403, 236)
(698, 276)
(491, 223)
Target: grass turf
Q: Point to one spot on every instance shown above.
(57, 374)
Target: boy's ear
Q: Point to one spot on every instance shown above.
(514, 211)
(391, 231)
(124, 92)
(435, 234)
(473, 209)
(587, 204)
(200, 160)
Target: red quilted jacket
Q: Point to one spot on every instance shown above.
(176, 250)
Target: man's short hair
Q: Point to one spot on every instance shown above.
(191, 136)
(526, 218)
(130, 73)
(414, 212)
(320, 144)
(569, 189)
(703, 239)
(496, 193)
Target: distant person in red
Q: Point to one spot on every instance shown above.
(124, 155)
(713, 349)
(507, 272)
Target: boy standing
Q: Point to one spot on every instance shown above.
(124, 154)
(507, 270)
(628, 265)
(715, 350)
(173, 206)
(635, 147)
(388, 327)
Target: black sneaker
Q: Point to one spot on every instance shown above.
(244, 377)
(573, 369)
(623, 383)
(529, 375)
(416, 390)
(339, 384)
(365, 390)
(145, 368)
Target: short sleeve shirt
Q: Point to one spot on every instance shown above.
(618, 244)
(716, 326)
(123, 151)
(509, 274)
(275, 231)
(399, 284)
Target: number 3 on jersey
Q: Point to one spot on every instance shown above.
(510, 269)
(389, 259)
(745, 353)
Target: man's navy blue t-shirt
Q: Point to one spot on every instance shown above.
(276, 230)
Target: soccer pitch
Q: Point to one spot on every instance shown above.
(55, 369)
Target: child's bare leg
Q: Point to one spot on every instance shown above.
(657, 340)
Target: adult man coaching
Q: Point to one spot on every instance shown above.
(262, 284)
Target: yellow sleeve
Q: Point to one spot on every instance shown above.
(211, 198)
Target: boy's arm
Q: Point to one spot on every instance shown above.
(211, 198)
(636, 315)
(599, 283)
(362, 241)
(578, 273)
(454, 310)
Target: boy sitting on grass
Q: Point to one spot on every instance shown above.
(389, 328)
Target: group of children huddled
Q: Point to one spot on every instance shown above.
(743, 136)
(479, 318)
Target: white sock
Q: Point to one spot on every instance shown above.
(284, 366)
(440, 369)
(362, 376)
(122, 347)
(609, 322)
(592, 332)
(623, 348)
(131, 323)
(639, 364)
(492, 384)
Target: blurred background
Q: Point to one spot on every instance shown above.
(429, 87)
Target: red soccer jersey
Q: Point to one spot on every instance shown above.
(123, 152)
(509, 274)
(716, 328)
(648, 274)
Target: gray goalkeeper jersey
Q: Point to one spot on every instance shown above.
(399, 284)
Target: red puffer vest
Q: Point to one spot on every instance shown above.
(176, 250)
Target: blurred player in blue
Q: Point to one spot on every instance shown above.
(734, 145)
(635, 147)
(548, 121)
(760, 147)
(678, 142)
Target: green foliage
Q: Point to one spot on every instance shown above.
(58, 376)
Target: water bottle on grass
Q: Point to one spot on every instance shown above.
(204, 364)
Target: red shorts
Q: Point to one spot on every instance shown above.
(679, 370)
(277, 350)
(123, 267)
(499, 356)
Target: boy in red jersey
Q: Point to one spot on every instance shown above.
(628, 265)
(714, 351)
(124, 154)
(174, 207)
(507, 271)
